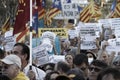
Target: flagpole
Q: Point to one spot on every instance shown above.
(30, 32)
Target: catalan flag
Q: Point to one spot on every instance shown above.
(6, 26)
(85, 14)
(92, 10)
(56, 8)
(96, 10)
(22, 16)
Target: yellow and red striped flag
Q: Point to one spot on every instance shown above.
(6, 26)
(56, 8)
(92, 10)
(96, 11)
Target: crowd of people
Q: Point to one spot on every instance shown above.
(95, 64)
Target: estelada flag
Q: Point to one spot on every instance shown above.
(22, 16)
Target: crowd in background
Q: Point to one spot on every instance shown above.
(95, 64)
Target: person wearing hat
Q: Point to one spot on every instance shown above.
(33, 72)
(11, 66)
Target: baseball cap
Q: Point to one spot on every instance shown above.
(12, 59)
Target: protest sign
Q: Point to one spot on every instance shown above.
(9, 33)
(89, 29)
(40, 55)
(56, 58)
(72, 34)
(49, 35)
(69, 11)
(10, 41)
(61, 32)
(88, 42)
(113, 45)
(115, 26)
(46, 43)
(105, 23)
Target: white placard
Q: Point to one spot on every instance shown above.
(46, 43)
(41, 55)
(114, 45)
(72, 33)
(69, 11)
(48, 34)
(115, 26)
(105, 23)
(10, 41)
(89, 28)
(56, 58)
(88, 42)
(9, 33)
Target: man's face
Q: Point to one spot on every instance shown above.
(84, 68)
(93, 72)
(17, 50)
(9, 70)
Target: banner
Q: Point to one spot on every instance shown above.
(61, 32)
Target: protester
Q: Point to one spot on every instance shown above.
(95, 67)
(69, 59)
(51, 75)
(70, 24)
(62, 67)
(81, 62)
(12, 68)
(109, 74)
(91, 56)
(102, 53)
(76, 74)
(21, 50)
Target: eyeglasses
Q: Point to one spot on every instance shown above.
(83, 68)
(94, 68)
(117, 63)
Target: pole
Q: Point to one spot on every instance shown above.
(31, 32)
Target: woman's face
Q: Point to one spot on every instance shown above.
(90, 57)
(69, 59)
